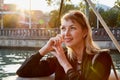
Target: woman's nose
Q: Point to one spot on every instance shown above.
(67, 32)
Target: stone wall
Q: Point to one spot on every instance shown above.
(22, 43)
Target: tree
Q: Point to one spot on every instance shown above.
(10, 20)
(53, 18)
(92, 19)
(118, 20)
(54, 15)
(82, 6)
(112, 18)
(117, 3)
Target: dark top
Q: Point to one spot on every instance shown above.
(92, 68)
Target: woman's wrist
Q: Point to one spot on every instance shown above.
(67, 67)
(65, 64)
(43, 51)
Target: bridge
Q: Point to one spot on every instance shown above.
(26, 37)
(39, 36)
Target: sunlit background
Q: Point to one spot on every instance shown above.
(42, 4)
(37, 12)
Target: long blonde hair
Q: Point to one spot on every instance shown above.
(79, 17)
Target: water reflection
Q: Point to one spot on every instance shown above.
(10, 60)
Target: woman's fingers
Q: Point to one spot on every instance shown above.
(59, 39)
(54, 41)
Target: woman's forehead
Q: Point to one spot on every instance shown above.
(67, 23)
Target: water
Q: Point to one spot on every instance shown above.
(11, 59)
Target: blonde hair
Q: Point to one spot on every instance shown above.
(79, 17)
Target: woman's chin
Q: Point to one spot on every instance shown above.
(68, 45)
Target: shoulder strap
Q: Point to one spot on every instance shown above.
(115, 71)
(95, 56)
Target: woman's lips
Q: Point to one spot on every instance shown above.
(68, 39)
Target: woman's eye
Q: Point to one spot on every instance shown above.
(73, 27)
(62, 28)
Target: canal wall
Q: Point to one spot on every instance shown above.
(106, 44)
(22, 43)
(38, 43)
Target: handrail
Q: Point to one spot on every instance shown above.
(40, 33)
(45, 33)
(105, 26)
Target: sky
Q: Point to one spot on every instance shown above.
(42, 4)
(109, 3)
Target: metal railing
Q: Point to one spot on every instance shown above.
(101, 35)
(43, 33)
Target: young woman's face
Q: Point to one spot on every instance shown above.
(72, 33)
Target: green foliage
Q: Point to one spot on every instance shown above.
(54, 15)
(53, 18)
(117, 2)
(82, 6)
(118, 19)
(111, 17)
(92, 19)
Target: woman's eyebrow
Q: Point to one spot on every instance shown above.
(72, 25)
(68, 26)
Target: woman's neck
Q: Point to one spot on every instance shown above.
(78, 51)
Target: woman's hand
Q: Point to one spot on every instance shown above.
(59, 53)
(54, 41)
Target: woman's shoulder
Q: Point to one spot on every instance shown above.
(104, 53)
(101, 53)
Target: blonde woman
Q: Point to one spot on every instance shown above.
(81, 60)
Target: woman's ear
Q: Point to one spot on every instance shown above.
(85, 32)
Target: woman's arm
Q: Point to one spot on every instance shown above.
(35, 67)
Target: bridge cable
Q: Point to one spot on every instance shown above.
(108, 32)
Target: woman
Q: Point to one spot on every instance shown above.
(80, 60)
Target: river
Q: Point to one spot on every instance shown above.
(11, 59)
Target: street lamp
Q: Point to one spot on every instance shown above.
(97, 17)
(1, 13)
(30, 26)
